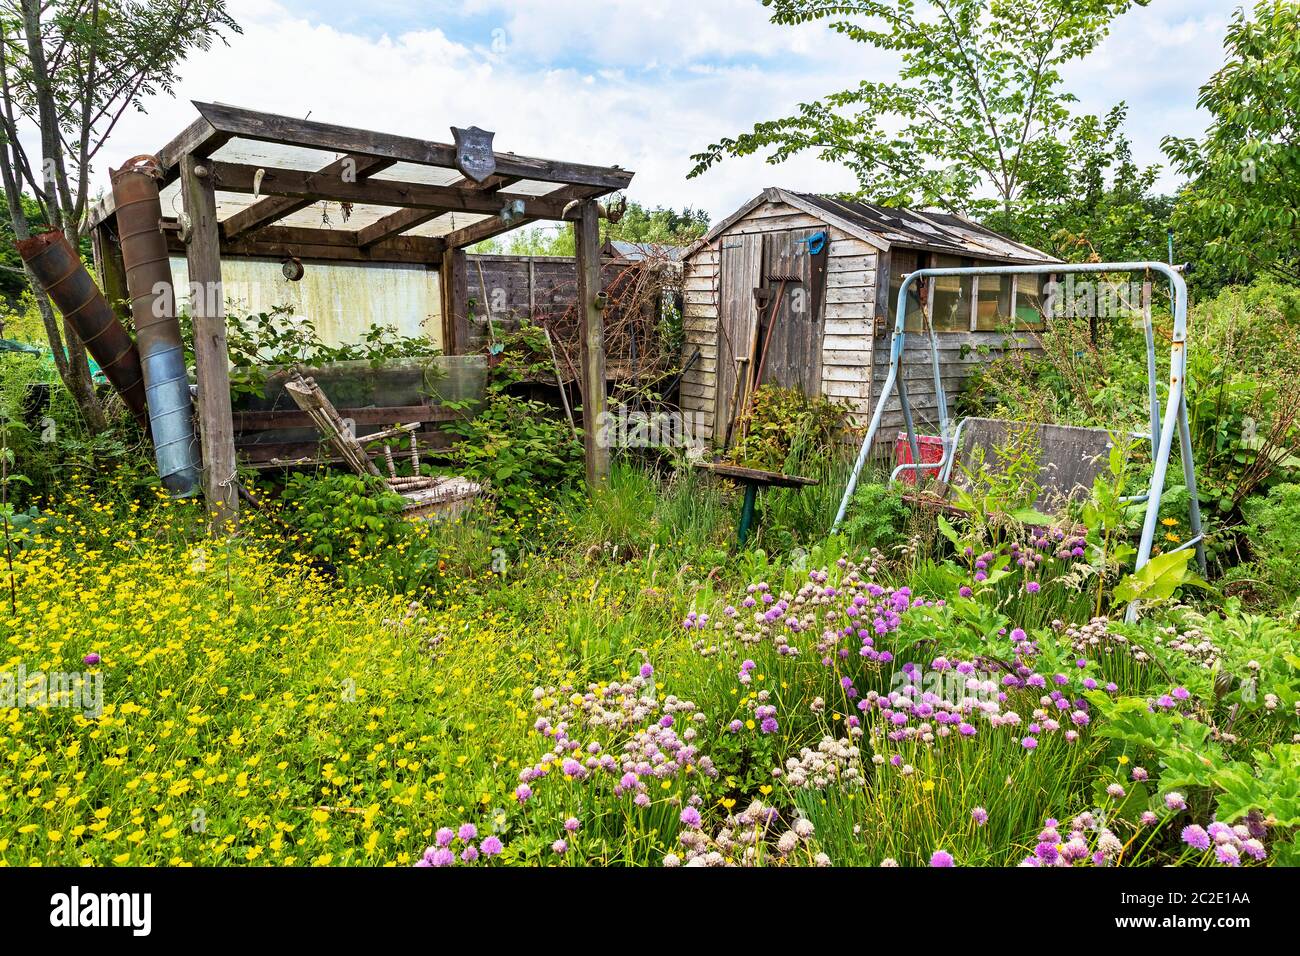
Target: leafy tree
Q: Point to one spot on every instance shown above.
(977, 121)
(69, 71)
(1099, 207)
(1240, 206)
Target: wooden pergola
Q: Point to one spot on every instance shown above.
(250, 184)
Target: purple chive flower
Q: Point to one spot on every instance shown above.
(1139, 774)
(91, 659)
(768, 726)
(965, 591)
(1181, 693)
(572, 824)
(1116, 791)
(1032, 587)
(559, 846)
(1175, 801)
(469, 854)
(1149, 819)
(441, 857)
(1227, 854)
(523, 792)
(491, 846)
(647, 670)
(691, 817)
(1029, 743)
(980, 816)
(444, 836)
(941, 858)
(1196, 837)
(467, 831)
(735, 726)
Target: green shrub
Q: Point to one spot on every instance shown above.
(786, 428)
(1273, 537)
(514, 446)
(877, 517)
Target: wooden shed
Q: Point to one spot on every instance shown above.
(823, 276)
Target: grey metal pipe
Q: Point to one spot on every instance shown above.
(158, 333)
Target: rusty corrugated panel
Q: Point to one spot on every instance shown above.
(65, 280)
(158, 333)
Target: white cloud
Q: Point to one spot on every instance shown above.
(628, 82)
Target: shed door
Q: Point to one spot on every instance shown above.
(741, 274)
(792, 318)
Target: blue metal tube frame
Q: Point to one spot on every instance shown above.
(1162, 432)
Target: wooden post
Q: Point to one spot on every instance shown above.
(211, 358)
(455, 303)
(586, 234)
(112, 271)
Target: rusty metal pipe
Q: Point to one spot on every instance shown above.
(158, 332)
(60, 272)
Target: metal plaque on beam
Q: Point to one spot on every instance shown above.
(474, 156)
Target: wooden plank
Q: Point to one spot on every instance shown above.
(404, 219)
(454, 282)
(211, 356)
(273, 128)
(586, 235)
(742, 272)
(268, 210)
(794, 328)
(317, 186)
(486, 229)
(421, 251)
(370, 415)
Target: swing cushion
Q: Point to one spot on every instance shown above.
(1068, 457)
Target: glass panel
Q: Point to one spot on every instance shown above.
(994, 308)
(1030, 301)
(901, 262)
(951, 297)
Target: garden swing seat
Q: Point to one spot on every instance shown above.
(1069, 458)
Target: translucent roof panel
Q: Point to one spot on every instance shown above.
(415, 173)
(252, 152)
(319, 215)
(447, 222)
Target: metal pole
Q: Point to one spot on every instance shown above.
(1161, 448)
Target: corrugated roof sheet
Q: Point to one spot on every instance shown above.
(934, 230)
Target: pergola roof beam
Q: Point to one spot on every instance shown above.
(314, 186)
(399, 222)
(272, 128)
(268, 210)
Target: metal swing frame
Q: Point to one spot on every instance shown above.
(1163, 425)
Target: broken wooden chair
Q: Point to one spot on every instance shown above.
(426, 496)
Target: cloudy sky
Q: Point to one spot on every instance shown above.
(637, 83)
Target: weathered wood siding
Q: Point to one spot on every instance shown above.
(700, 298)
(960, 353)
(847, 311)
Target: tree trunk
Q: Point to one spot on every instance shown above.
(73, 368)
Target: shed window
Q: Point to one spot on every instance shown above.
(993, 310)
(901, 263)
(951, 297)
(1031, 306)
